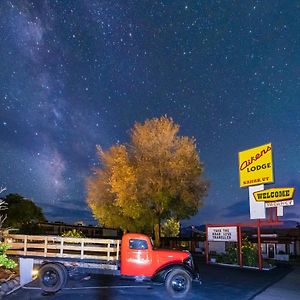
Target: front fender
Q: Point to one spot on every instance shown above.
(161, 274)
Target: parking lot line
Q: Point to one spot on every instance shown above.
(95, 287)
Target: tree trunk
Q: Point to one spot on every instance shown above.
(157, 235)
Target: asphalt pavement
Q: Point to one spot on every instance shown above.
(218, 282)
(286, 288)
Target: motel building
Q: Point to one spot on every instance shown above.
(280, 244)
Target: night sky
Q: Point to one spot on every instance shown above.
(79, 73)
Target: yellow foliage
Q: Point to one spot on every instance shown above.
(157, 175)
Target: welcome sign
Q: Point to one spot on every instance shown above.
(274, 194)
(256, 166)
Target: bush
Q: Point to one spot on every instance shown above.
(170, 228)
(220, 257)
(73, 233)
(249, 251)
(4, 260)
(232, 254)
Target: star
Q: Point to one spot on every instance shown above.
(78, 74)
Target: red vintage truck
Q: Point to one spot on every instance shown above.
(56, 258)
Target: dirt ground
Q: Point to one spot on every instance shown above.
(6, 274)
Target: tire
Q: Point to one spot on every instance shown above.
(52, 277)
(66, 275)
(178, 283)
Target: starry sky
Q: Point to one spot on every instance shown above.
(79, 73)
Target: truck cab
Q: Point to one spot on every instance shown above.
(139, 259)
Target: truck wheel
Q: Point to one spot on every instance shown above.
(178, 283)
(52, 277)
(66, 274)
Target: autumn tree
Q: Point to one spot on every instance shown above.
(106, 198)
(158, 175)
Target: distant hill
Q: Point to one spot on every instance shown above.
(288, 224)
(189, 230)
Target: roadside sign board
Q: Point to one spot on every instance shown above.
(279, 203)
(257, 209)
(275, 194)
(222, 234)
(256, 166)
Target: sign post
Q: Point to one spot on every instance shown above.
(222, 233)
(256, 169)
(260, 265)
(257, 209)
(240, 246)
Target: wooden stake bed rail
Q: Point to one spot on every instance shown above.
(63, 247)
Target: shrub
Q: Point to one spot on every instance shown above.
(4, 260)
(249, 251)
(170, 228)
(73, 233)
(232, 255)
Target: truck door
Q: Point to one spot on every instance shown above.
(138, 259)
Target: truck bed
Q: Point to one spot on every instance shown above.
(82, 252)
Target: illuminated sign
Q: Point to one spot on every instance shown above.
(256, 166)
(222, 234)
(279, 203)
(275, 194)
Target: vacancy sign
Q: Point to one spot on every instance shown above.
(279, 203)
(222, 234)
(275, 194)
(256, 166)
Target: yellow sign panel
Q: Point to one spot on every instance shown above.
(276, 194)
(256, 166)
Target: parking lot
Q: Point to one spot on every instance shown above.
(218, 282)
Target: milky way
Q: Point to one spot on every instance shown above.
(79, 73)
